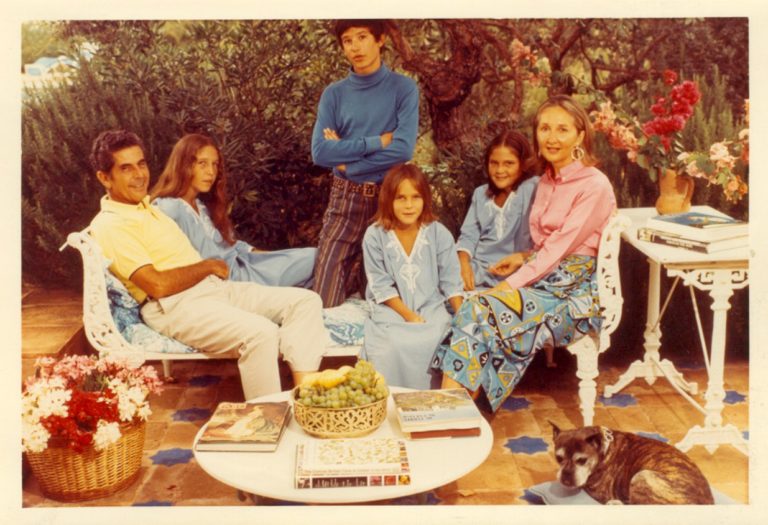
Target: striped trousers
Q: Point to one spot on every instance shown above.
(339, 264)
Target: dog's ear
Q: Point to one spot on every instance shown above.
(595, 439)
(555, 430)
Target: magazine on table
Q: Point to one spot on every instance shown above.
(245, 427)
(677, 241)
(699, 226)
(333, 463)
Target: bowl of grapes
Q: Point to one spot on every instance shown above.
(341, 403)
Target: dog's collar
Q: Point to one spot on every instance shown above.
(607, 439)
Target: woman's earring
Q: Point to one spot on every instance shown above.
(577, 153)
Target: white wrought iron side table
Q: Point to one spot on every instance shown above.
(719, 274)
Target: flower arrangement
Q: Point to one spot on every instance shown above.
(655, 144)
(82, 400)
(719, 164)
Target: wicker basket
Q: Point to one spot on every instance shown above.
(340, 422)
(66, 475)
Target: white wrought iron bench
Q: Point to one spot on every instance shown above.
(105, 337)
(588, 348)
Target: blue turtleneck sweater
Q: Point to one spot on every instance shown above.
(359, 108)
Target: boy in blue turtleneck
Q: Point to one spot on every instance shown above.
(366, 123)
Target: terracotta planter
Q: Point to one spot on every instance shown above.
(675, 192)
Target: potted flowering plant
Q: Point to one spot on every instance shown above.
(83, 422)
(655, 146)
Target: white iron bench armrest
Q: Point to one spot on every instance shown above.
(589, 347)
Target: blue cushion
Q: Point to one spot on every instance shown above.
(554, 493)
(345, 323)
(125, 312)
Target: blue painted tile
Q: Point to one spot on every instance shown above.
(154, 503)
(204, 380)
(654, 435)
(514, 403)
(618, 400)
(732, 397)
(531, 498)
(526, 445)
(172, 456)
(191, 414)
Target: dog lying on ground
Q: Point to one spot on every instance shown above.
(620, 467)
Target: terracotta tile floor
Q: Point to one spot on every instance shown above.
(521, 456)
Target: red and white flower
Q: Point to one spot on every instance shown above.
(83, 400)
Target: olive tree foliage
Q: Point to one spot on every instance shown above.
(479, 76)
(254, 87)
(251, 85)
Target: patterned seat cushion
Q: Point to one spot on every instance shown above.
(125, 312)
(344, 322)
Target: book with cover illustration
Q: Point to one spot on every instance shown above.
(676, 241)
(423, 410)
(698, 226)
(245, 427)
(331, 463)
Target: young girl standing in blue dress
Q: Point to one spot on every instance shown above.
(497, 221)
(412, 268)
(192, 191)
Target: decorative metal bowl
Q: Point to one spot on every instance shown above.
(338, 423)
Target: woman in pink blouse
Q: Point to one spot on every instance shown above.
(549, 298)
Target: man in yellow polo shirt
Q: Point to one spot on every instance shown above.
(189, 298)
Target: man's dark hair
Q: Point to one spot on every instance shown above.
(376, 27)
(107, 143)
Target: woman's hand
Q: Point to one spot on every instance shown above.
(467, 275)
(507, 265)
(413, 317)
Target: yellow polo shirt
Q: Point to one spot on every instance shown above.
(135, 235)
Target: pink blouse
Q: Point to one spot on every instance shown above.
(567, 217)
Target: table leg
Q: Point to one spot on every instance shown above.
(652, 366)
(720, 285)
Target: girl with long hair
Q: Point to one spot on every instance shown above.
(496, 223)
(192, 190)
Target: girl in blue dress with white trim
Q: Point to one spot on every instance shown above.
(192, 191)
(412, 268)
(496, 223)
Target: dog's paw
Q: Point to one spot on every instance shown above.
(614, 502)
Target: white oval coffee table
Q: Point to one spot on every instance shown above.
(434, 462)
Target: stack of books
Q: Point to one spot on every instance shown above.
(332, 463)
(697, 231)
(437, 413)
(245, 427)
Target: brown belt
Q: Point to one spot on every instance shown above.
(367, 189)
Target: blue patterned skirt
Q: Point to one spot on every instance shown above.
(494, 336)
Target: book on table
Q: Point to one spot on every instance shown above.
(677, 241)
(437, 413)
(699, 226)
(332, 463)
(245, 427)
